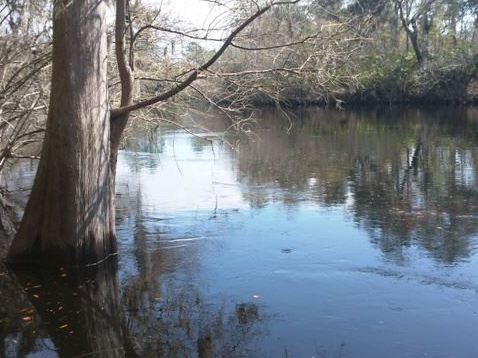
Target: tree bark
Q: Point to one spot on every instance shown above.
(416, 47)
(411, 29)
(69, 218)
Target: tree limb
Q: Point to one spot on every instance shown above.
(115, 113)
(124, 69)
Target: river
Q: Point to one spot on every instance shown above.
(326, 234)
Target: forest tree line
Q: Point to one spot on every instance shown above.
(315, 52)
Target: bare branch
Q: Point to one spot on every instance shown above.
(125, 72)
(194, 75)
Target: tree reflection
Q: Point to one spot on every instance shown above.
(407, 176)
(80, 311)
(18, 324)
(87, 314)
(165, 309)
(157, 309)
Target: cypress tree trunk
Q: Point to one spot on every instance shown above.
(69, 219)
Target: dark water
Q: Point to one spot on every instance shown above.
(352, 235)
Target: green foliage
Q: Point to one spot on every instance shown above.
(396, 77)
(388, 74)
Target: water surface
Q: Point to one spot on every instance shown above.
(352, 234)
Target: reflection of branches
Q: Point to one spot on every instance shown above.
(413, 164)
(363, 163)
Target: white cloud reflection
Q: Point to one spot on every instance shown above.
(178, 179)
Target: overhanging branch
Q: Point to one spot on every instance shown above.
(194, 74)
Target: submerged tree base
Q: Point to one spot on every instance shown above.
(66, 256)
